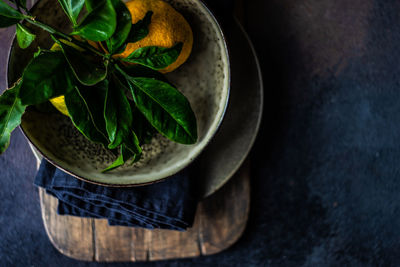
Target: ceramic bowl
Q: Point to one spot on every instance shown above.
(204, 79)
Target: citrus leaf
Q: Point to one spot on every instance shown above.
(95, 98)
(164, 107)
(142, 128)
(132, 143)
(99, 24)
(86, 113)
(90, 4)
(88, 68)
(8, 15)
(124, 24)
(24, 36)
(11, 111)
(140, 29)
(142, 71)
(72, 8)
(118, 115)
(155, 57)
(124, 156)
(46, 76)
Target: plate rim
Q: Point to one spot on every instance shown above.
(260, 114)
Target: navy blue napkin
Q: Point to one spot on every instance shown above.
(170, 204)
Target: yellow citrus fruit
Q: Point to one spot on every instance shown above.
(167, 28)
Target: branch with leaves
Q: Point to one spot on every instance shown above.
(94, 83)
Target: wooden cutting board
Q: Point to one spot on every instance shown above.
(220, 221)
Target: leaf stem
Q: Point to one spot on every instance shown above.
(47, 28)
(69, 38)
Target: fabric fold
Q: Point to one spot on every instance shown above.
(170, 204)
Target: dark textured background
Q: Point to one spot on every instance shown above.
(325, 167)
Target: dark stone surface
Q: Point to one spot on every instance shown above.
(326, 164)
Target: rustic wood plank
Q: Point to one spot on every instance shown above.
(141, 244)
(220, 221)
(113, 243)
(72, 236)
(174, 245)
(223, 216)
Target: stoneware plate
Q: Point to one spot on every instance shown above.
(231, 145)
(204, 79)
(235, 137)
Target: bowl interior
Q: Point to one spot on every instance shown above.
(203, 79)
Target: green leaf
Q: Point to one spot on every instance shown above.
(165, 108)
(24, 36)
(140, 29)
(99, 24)
(72, 8)
(142, 71)
(11, 111)
(124, 24)
(95, 97)
(118, 116)
(143, 129)
(125, 155)
(86, 111)
(132, 143)
(8, 15)
(155, 57)
(91, 4)
(46, 76)
(87, 67)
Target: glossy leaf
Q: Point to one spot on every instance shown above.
(85, 110)
(140, 29)
(155, 57)
(165, 108)
(87, 67)
(133, 144)
(11, 111)
(142, 71)
(124, 24)
(99, 24)
(8, 15)
(118, 115)
(124, 156)
(46, 76)
(72, 8)
(142, 128)
(24, 36)
(95, 97)
(91, 4)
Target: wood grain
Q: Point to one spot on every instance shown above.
(76, 240)
(220, 221)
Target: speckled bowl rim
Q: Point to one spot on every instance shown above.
(186, 163)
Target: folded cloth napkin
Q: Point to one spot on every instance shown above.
(169, 204)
